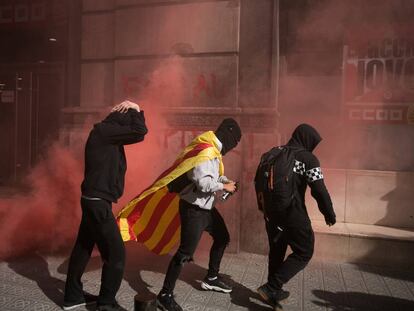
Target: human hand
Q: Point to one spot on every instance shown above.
(330, 220)
(125, 105)
(230, 187)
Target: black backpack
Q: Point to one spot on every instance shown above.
(274, 184)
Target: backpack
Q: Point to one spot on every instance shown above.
(274, 184)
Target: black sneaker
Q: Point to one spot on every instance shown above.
(166, 302)
(215, 284)
(88, 299)
(272, 297)
(110, 307)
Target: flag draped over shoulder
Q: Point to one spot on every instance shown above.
(152, 217)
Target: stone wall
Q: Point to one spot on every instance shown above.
(370, 197)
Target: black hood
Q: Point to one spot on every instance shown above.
(305, 136)
(229, 134)
(119, 118)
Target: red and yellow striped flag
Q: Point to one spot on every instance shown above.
(152, 217)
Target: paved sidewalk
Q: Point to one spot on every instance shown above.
(37, 282)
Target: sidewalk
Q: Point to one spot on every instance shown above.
(37, 282)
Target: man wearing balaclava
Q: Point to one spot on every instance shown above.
(103, 184)
(198, 213)
(292, 226)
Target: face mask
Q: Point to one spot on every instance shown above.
(229, 135)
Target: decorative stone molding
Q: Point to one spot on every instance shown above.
(251, 120)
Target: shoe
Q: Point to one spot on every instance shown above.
(166, 302)
(88, 300)
(271, 296)
(110, 307)
(215, 284)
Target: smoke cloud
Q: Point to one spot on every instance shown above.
(47, 217)
(317, 88)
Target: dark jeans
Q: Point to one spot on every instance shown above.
(98, 226)
(194, 221)
(301, 241)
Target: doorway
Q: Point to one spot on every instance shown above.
(31, 97)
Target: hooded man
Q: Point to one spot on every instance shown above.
(198, 213)
(103, 184)
(292, 226)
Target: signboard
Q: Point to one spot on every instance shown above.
(379, 74)
(7, 96)
(22, 12)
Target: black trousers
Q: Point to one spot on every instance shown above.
(98, 226)
(301, 241)
(194, 221)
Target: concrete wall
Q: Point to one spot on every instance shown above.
(369, 197)
(123, 41)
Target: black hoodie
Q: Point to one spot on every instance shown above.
(105, 163)
(307, 138)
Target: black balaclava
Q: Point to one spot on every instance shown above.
(229, 134)
(305, 136)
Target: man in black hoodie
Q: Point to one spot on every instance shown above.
(292, 226)
(103, 184)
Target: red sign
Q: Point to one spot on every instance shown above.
(379, 74)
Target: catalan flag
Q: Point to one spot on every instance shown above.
(152, 217)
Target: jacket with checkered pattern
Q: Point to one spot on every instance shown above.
(308, 173)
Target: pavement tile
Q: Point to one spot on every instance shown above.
(37, 283)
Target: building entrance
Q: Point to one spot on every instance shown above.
(30, 101)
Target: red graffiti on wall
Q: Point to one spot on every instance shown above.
(207, 84)
(202, 84)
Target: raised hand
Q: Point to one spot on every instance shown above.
(125, 105)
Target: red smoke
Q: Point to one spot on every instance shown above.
(47, 217)
(148, 159)
(314, 90)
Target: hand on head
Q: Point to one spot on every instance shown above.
(125, 105)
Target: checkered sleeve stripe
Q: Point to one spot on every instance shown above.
(299, 168)
(314, 174)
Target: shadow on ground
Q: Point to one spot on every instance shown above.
(35, 267)
(139, 259)
(356, 301)
(398, 274)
